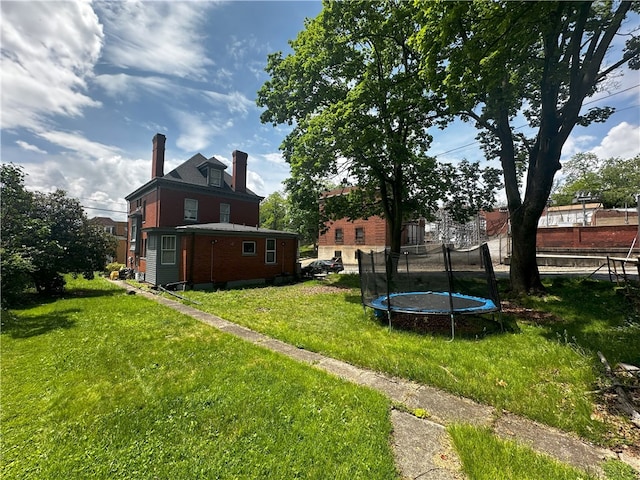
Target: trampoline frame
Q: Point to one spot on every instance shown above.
(384, 303)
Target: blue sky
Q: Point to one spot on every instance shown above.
(86, 86)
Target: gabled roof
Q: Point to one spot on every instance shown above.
(192, 173)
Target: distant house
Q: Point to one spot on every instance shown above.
(198, 225)
(344, 237)
(117, 229)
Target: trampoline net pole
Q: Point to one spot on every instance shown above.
(362, 281)
(448, 267)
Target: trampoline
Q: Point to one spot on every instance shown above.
(437, 281)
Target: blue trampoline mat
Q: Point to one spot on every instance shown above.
(433, 303)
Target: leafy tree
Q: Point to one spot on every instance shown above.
(359, 110)
(620, 181)
(492, 61)
(274, 212)
(615, 180)
(43, 237)
(304, 208)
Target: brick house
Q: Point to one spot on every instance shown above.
(344, 237)
(198, 225)
(118, 230)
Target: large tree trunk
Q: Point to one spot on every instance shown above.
(523, 272)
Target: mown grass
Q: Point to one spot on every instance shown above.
(101, 384)
(546, 372)
(487, 457)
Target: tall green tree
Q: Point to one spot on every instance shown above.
(352, 93)
(43, 237)
(615, 180)
(494, 61)
(274, 212)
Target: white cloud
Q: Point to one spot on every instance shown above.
(235, 102)
(28, 147)
(576, 144)
(76, 142)
(197, 130)
(276, 158)
(622, 141)
(49, 50)
(255, 182)
(159, 37)
(101, 183)
(130, 87)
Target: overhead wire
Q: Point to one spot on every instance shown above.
(476, 142)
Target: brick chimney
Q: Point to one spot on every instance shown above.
(239, 179)
(157, 159)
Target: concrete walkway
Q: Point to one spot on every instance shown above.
(421, 445)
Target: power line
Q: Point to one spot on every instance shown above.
(103, 209)
(526, 125)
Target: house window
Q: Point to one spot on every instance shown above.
(270, 253)
(225, 213)
(359, 236)
(144, 211)
(134, 233)
(190, 209)
(110, 229)
(337, 253)
(168, 251)
(215, 177)
(339, 235)
(248, 248)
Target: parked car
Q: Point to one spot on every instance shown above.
(318, 267)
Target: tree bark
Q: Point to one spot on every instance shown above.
(523, 271)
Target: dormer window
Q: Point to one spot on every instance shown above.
(215, 177)
(213, 171)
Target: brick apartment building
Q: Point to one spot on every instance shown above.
(344, 237)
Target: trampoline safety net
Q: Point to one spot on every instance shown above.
(438, 281)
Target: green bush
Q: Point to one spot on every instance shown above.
(114, 267)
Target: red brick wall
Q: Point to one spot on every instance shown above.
(374, 232)
(172, 209)
(229, 264)
(619, 236)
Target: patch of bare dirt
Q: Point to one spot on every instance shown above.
(528, 314)
(318, 289)
(621, 393)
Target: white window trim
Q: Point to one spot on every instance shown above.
(191, 210)
(227, 214)
(215, 177)
(267, 251)
(164, 250)
(249, 254)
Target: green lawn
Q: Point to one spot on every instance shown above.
(547, 372)
(486, 457)
(105, 385)
(100, 384)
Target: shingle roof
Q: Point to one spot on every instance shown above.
(191, 172)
